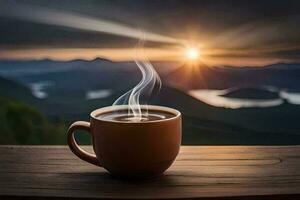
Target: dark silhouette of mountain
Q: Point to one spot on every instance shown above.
(251, 93)
(200, 76)
(15, 90)
(48, 60)
(97, 59)
(283, 66)
(279, 65)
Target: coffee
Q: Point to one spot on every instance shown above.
(124, 116)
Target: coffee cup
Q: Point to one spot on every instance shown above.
(128, 148)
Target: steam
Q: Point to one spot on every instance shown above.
(74, 20)
(150, 80)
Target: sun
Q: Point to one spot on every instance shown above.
(192, 53)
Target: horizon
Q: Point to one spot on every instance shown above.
(155, 61)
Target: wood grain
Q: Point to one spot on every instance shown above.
(204, 172)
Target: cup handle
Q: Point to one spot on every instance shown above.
(82, 154)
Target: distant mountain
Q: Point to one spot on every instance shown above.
(284, 66)
(202, 76)
(101, 59)
(280, 65)
(251, 93)
(73, 75)
(190, 76)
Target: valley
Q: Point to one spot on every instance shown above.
(67, 91)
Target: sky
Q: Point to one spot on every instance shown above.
(226, 32)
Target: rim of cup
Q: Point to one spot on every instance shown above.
(94, 114)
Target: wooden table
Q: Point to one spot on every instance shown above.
(204, 172)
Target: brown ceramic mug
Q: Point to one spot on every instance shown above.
(130, 149)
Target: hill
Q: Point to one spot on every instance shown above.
(15, 90)
(23, 124)
(251, 93)
(204, 124)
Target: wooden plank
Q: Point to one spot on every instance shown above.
(248, 172)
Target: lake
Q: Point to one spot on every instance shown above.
(214, 98)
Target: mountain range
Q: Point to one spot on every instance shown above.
(201, 76)
(69, 82)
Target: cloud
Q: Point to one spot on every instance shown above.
(77, 21)
(224, 29)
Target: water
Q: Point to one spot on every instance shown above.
(293, 98)
(98, 94)
(212, 97)
(38, 89)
